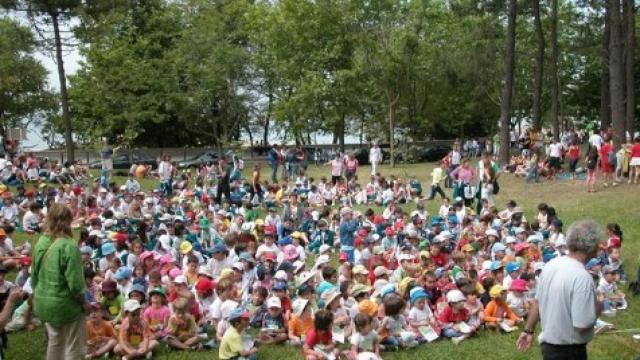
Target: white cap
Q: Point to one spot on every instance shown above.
(299, 305)
(510, 240)
(491, 232)
(281, 275)
(109, 223)
(131, 305)
(274, 301)
(180, 279)
(306, 276)
(454, 296)
(238, 266)
(322, 259)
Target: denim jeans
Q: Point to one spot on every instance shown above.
(274, 172)
(391, 341)
(451, 332)
(532, 176)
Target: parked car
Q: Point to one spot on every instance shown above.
(434, 153)
(125, 160)
(200, 159)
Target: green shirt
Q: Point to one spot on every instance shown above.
(58, 281)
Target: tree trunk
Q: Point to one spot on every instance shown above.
(507, 85)
(66, 116)
(392, 123)
(265, 136)
(539, 68)
(555, 81)
(616, 73)
(630, 46)
(605, 96)
(341, 125)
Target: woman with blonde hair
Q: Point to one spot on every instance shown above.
(59, 288)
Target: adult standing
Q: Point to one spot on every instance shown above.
(375, 157)
(165, 173)
(106, 156)
(595, 139)
(59, 288)
(566, 302)
(337, 165)
(224, 174)
(274, 159)
(607, 160)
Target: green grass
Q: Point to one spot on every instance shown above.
(620, 204)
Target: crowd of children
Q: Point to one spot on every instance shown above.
(310, 271)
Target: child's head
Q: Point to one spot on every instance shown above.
(518, 287)
(96, 312)
(274, 306)
(498, 293)
(158, 297)
(109, 289)
(181, 307)
(393, 305)
(239, 318)
(456, 299)
(132, 309)
(323, 320)
(137, 293)
(259, 294)
(362, 322)
(418, 298)
(609, 273)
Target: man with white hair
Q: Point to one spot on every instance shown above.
(566, 303)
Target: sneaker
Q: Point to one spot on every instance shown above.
(211, 344)
(457, 340)
(149, 355)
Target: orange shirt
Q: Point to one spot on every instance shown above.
(97, 332)
(300, 327)
(495, 312)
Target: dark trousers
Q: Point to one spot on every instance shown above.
(436, 189)
(564, 352)
(224, 189)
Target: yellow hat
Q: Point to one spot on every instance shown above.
(226, 273)
(3, 188)
(425, 254)
(259, 222)
(185, 247)
(404, 284)
(43, 185)
(496, 291)
(368, 307)
(468, 248)
(360, 269)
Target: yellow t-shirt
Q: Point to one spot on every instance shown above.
(231, 344)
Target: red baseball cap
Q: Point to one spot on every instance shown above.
(204, 284)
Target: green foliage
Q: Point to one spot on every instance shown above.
(24, 95)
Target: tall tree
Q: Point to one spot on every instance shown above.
(630, 50)
(507, 84)
(616, 73)
(52, 12)
(605, 96)
(24, 97)
(555, 78)
(539, 67)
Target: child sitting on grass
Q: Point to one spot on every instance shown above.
(101, 338)
(232, 346)
(453, 316)
(318, 344)
(498, 314)
(273, 329)
(182, 326)
(365, 338)
(135, 338)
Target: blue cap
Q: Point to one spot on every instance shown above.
(218, 248)
(108, 249)
(239, 313)
(548, 257)
(280, 285)
(496, 265)
(439, 272)
(417, 293)
(139, 288)
(593, 262)
(387, 289)
(122, 273)
(498, 247)
(246, 256)
(86, 249)
(284, 241)
(512, 266)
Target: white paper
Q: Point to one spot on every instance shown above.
(506, 327)
(338, 334)
(463, 327)
(428, 333)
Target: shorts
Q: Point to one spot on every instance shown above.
(554, 163)
(635, 161)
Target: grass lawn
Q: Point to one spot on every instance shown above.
(620, 204)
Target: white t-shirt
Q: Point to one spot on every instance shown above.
(455, 157)
(566, 296)
(164, 170)
(364, 342)
(595, 140)
(555, 150)
(30, 220)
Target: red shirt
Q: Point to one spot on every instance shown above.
(447, 315)
(635, 150)
(574, 152)
(313, 338)
(440, 260)
(285, 303)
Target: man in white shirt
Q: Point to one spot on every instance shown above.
(595, 139)
(555, 153)
(566, 306)
(375, 157)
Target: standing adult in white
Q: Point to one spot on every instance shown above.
(375, 157)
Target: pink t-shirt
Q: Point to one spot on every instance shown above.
(336, 167)
(157, 319)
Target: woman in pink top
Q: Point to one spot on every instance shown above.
(337, 164)
(464, 175)
(352, 166)
(634, 165)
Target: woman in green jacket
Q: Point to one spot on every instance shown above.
(59, 288)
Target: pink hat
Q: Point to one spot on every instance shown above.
(290, 252)
(521, 246)
(173, 273)
(518, 285)
(166, 259)
(145, 255)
